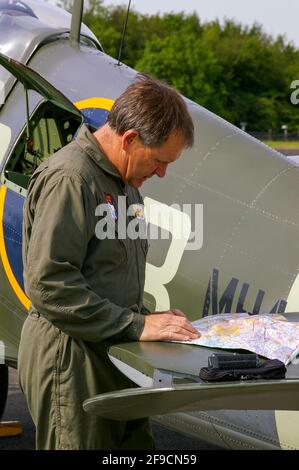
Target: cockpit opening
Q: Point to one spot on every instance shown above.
(50, 129)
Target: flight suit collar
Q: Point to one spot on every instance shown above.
(88, 143)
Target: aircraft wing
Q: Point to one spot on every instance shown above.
(137, 403)
(168, 375)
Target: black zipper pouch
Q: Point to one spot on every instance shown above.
(268, 370)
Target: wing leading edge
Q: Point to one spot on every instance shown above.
(141, 402)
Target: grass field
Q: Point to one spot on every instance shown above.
(282, 144)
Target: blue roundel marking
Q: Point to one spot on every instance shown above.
(12, 229)
(95, 116)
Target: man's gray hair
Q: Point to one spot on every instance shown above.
(153, 109)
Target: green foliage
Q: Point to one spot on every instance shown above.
(237, 72)
(185, 63)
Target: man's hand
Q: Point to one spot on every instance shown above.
(169, 325)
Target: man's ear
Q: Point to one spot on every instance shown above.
(128, 138)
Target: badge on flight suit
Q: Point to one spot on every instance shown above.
(113, 211)
(138, 211)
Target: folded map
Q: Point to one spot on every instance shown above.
(268, 335)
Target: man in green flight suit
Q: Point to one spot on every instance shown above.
(86, 290)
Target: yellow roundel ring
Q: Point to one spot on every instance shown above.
(100, 103)
(6, 264)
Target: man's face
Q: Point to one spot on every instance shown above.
(143, 162)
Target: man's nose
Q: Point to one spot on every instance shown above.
(161, 171)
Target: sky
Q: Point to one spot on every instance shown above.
(276, 16)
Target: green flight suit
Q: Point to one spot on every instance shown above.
(86, 293)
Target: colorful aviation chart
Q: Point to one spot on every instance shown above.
(268, 335)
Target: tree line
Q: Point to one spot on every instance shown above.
(236, 71)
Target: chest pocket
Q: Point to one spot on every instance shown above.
(122, 244)
(145, 247)
(119, 242)
(113, 248)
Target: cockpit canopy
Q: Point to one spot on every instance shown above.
(15, 8)
(27, 25)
